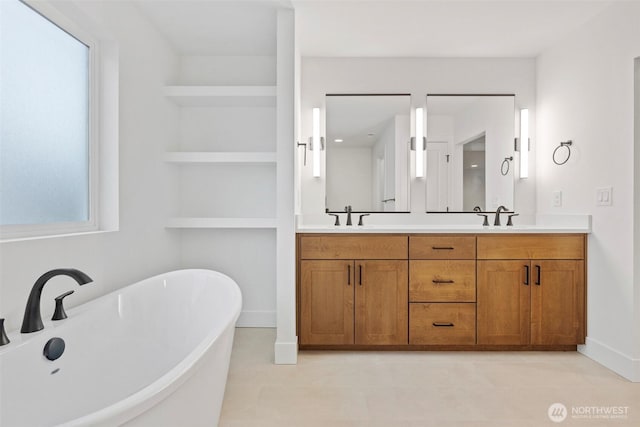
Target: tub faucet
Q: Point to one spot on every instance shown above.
(348, 210)
(496, 222)
(32, 320)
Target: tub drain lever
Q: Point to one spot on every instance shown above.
(59, 312)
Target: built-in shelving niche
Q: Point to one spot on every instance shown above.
(225, 163)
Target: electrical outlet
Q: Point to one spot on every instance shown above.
(604, 196)
(557, 199)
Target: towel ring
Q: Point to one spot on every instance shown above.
(567, 145)
(506, 163)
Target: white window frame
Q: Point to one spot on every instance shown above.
(19, 231)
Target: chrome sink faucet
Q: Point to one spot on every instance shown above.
(496, 222)
(32, 321)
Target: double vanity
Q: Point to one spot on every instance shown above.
(447, 279)
(441, 288)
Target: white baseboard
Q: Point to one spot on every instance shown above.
(257, 319)
(286, 353)
(611, 358)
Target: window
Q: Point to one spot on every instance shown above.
(47, 143)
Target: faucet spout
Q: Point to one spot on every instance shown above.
(496, 222)
(32, 320)
(348, 210)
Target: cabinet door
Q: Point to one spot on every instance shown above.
(326, 298)
(503, 302)
(557, 302)
(382, 302)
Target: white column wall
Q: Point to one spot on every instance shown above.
(286, 346)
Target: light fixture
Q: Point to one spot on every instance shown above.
(338, 140)
(524, 143)
(420, 142)
(316, 142)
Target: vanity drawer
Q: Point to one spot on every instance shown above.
(442, 323)
(528, 246)
(442, 281)
(442, 247)
(353, 247)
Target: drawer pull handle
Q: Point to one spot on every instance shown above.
(442, 248)
(360, 275)
(538, 275)
(526, 275)
(348, 275)
(443, 324)
(436, 281)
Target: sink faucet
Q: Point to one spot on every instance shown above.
(337, 222)
(32, 321)
(501, 208)
(348, 210)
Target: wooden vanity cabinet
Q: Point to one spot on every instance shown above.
(348, 298)
(438, 291)
(442, 290)
(326, 302)
(531, 290)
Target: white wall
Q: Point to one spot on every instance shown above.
(417, 76)
(142, 247)
(585, 92)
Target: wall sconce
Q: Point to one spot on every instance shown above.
(316, 142)
(418, 143)
(524, 143)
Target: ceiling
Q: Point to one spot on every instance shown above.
(212, 27)
(418, 28)
(360, 120)
(437, 28)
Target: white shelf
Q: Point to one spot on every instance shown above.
(222, 96)
(232, 158)
(185, 222)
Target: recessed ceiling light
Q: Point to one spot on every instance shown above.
(370, 134)
(474, 166)
(338, 140)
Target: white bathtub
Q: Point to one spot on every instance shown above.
(155, 353)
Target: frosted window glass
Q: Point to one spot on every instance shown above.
(44, 120)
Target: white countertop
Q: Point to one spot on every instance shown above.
(414, 223)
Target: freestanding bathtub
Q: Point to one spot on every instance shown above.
(155, 353)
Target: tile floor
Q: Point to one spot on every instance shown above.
(398, 389)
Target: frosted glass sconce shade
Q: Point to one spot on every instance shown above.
(524, 143)
(315, 142)
(419, 143)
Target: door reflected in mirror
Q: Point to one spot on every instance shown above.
(468, 137)
(473, 174)
(367, 159)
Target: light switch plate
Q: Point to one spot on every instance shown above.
(604, 196)
(557, 199)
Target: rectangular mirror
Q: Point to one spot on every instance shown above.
(470, 145)
(367, 143)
